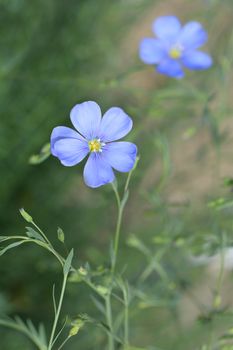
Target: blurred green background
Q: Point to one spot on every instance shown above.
(56, 53)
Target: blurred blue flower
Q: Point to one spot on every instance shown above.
(175, 46)
(95, 136)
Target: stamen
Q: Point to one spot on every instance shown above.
(95, 145)
(175, 52)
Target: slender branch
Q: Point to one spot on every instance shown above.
(126, 318)
(116, 240)
(109, 322)
(64, 342)
(58, 311)
(42, 233)
(118, 199)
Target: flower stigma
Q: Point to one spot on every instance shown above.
(95, 145)
(175, 52)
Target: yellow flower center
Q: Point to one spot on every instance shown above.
(175, 52)
(95, 145)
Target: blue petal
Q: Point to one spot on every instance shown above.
(97, 172)
(115, 124)
(167, 28)
(171, 68)
(192, 36)
(197, 60)
(151, 51)
(62, 132)
(86, 118)
(120, 155)
(71, 151)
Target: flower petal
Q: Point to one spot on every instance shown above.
(197, 60)
(71, 151)
(171, 68)
(62, 132)
(192, 36)
(167, 27)
(115, 124)
(97, 172)
(86, 118)
(151, 50)
(120, 155)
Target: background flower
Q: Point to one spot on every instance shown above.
(175, 46)
(95, 136)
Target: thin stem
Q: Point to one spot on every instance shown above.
(118, 227)
(109, 322)
(116, 240)
(50, 248)
(126, 325)
(58, 312)
(116, 194)
(126, 318)
(64, 342)
(130, 174)
(42, 233)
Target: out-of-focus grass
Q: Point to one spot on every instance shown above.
(57, 53)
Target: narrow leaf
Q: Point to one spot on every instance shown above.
(98, 305)
(54, 300)
(10, 246)
(42, 334)
(68, 262)
(34, 234)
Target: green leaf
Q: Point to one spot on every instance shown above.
(37, 337)
(54, 301)
(34, 234)
(42, 333)
(98, 305)
(4, 238)
(10, 246)
(136, 243)
(68, 262)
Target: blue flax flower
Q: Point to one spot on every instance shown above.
(95, 136)
(175, 46)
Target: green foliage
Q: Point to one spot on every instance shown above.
(38, 337)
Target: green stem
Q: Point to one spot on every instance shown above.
(118, 227)
(42, 233)
(58, 312)
(116, 240)
(126, 326)
(120, 205)
(126, 320)
(116, 194)
(109, 322)
(64, 342)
